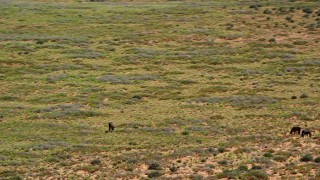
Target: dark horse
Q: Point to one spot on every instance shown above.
(305, 133)
(295, 130)
(111, 127)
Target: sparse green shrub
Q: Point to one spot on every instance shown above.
(267, 154)
(229, 26)
(221, 149)
(282, 10)
(211, 150)
(280, 158)
(131, 160)
(218, 116)
(304, 95)
(288, 18)
(311, 26)
(186, 82)
(154, 174)
(293, 97)
(307, 10)
(255, 6)
(262, 160)
(243, 150)
(130, 169)
(52, 159)
(173, 169)
(137, 97)
(305, 16)
(317, 159)
(96, 162)
(242, 168)
(223, 162)
(62, 156)
(292, 9)
(272, 40)
(196, 177)
(210, 166)
(185, 133)
(300, 43)
(40, 41)
(155, 166)
(267, 11)
(229, 174)
(306, 158)
(132, 143)
(55, 78)
(256, 175)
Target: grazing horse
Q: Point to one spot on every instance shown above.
(305, 132)
(295, 130)
(111, 127)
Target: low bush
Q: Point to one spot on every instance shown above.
(256, 175)
(306, 158)
(229, 174)
(223, 162)
(267, 154)
(185, 133)
(221, 149)
(242, 168)
(267, 11)
(95, 162)
(155, 166)
(173, 169)
(154, 174)
(272, 40)
(307, 10)
(304, 95)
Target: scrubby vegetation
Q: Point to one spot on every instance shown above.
(195, 89)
